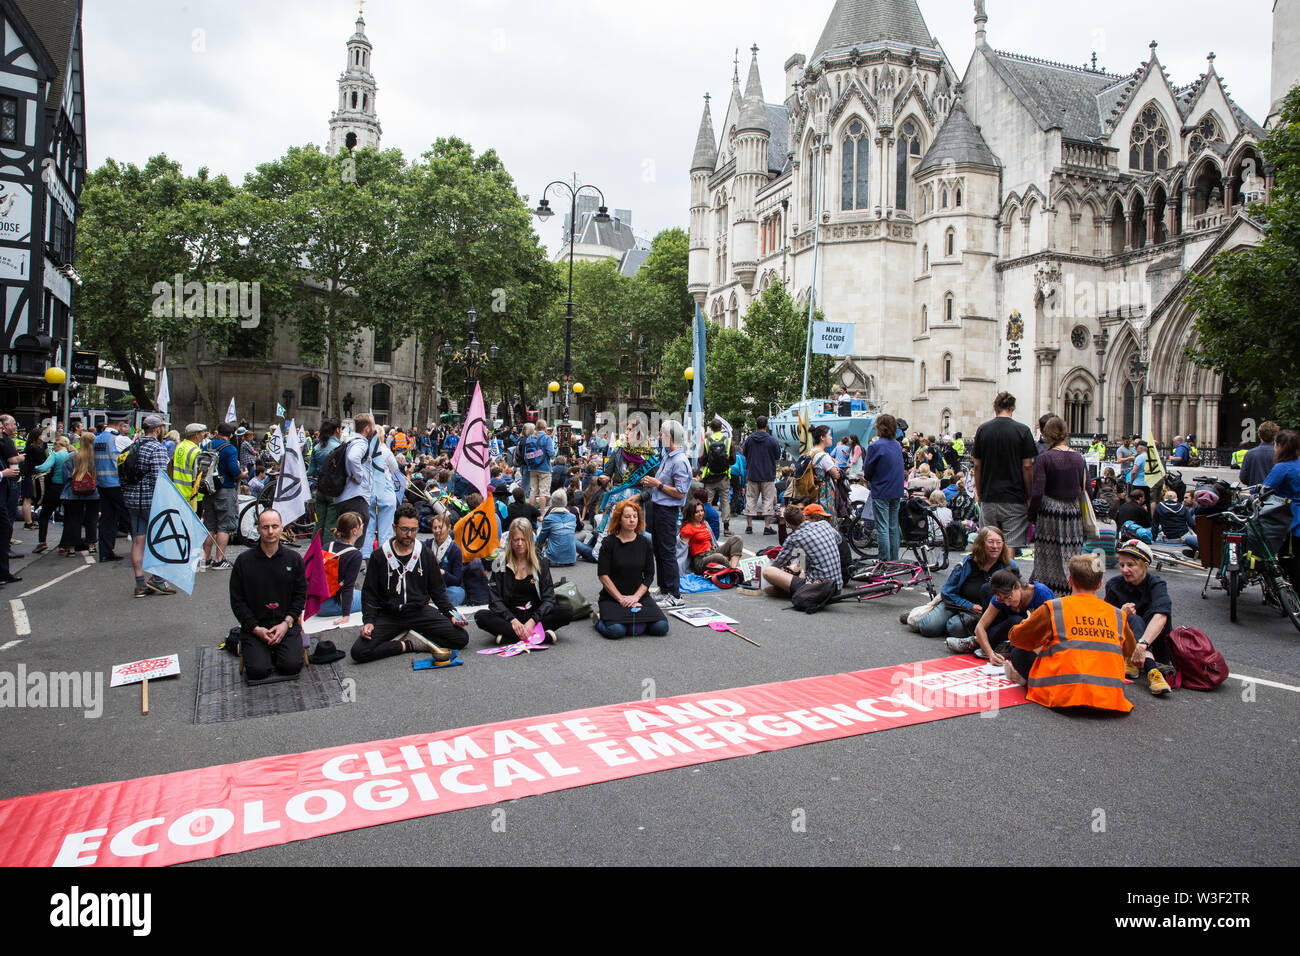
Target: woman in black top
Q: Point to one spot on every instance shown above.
(627, 569)
(521, 594)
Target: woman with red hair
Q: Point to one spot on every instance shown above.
(627, 569)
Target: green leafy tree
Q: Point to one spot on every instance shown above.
(748, 368)
(139, 229)
(332, 224)
(463, 239)
(1247, 323)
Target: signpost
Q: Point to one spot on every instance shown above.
(85, 366)
(141, 672)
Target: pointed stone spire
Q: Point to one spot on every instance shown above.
(753, 111)
(355, 124)
(706, 144)
(981, 19)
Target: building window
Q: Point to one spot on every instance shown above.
(383, 349)
(379, 396)
(943, 201)
(854, 168)
(949, 241)
(363, 100)
(812, 205)
(1148, 147)
(958, 203)
(925, 319)
(947, 368)
(925, 258)
(909, 144)
(922, 378)
(309, 389)
(8, 119)
(1207, 131)
(947, 308)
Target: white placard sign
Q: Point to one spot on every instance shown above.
(832, 338)
(150, 669)
(753, 567)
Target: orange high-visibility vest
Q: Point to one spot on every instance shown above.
(401, 442)
(1083, 665)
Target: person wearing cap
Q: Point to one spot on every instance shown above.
(1137, 476)
(221, 510)
(112, 508)
(814, 534)
(247, 448)
(184, 463)
(1144, 599)
(151, 458)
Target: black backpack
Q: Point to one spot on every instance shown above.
(333, 475)
(128, 465)
(813, 596)
(717, 463)
(912, 520)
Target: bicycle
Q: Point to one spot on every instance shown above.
(880, 578)
(1241, 556)
(302, 527)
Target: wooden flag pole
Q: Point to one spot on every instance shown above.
(144, 697)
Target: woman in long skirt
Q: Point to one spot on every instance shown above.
(1054, 507)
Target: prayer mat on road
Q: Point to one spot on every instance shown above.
(223, 694)
(197, 814)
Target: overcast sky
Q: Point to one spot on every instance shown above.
(613, 91)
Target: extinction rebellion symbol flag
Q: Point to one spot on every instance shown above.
(174, 537)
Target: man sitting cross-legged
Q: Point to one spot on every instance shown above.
(403, 592)
(268, 589)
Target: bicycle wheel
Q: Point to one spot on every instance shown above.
(1284, 594)
(1234, 588)
(862, 534)
(246, 530)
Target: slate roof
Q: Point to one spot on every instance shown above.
(960, 141)
(54, 22)
(616, 234)
(706, 151)
(1057, 94)
(858, 23)
(632, 261)
(778, 120)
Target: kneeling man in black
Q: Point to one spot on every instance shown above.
(403, 592)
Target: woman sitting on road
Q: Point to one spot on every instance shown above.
(627, 569)
(522, 594)
(559, 528)
(450, 560)
(346, 601)
(1013, 601)
(965, 595)
(695, 532)
(1144, 598)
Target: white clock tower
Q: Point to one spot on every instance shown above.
(355, 124)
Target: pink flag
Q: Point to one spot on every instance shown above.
(471, 458)
(318, 588)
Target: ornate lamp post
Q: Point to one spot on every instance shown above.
(545, 212)
(472, 357)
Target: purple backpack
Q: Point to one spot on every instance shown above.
(1200, 666)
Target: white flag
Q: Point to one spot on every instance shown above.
(230, 412)
(275, 443)
(292, 490)
(164, 394)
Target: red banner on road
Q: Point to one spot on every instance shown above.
(196, 814)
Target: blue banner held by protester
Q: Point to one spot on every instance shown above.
(174, 537)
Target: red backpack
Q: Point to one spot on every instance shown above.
(1200, 666)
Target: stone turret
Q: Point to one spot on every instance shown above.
(753, 131)
(703, 163)
(355, 124)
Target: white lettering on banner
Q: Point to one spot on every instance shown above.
(204, 813)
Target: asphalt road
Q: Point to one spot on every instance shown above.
(1193, 779)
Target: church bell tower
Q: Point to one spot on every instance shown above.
(355, 124)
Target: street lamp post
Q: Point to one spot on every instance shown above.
(472, 357)
(545, 212)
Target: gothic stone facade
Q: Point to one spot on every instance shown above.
(1030, 227)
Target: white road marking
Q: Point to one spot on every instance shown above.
(66, 574)
(21, 625)
(5, 647)
(1266, 683)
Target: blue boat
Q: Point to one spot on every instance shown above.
(785, 425)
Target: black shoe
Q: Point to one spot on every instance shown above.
(769, 531)
(10, 579)
(16, 554)
(111, 557)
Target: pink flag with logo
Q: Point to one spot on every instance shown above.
(318, 589)
(471, 458)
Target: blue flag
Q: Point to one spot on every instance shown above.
(695, 425)
(279, 410)
(174, 537)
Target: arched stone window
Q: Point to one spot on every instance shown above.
(922, 391)
(354, 99)
(909, 144)
(925, 258)
(943, 200)
(1206, 132)
(958, 203)
(949, 242)
(855, 166)
(947, 368)
(1148, 142)
(947, 308)
(925, 319)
